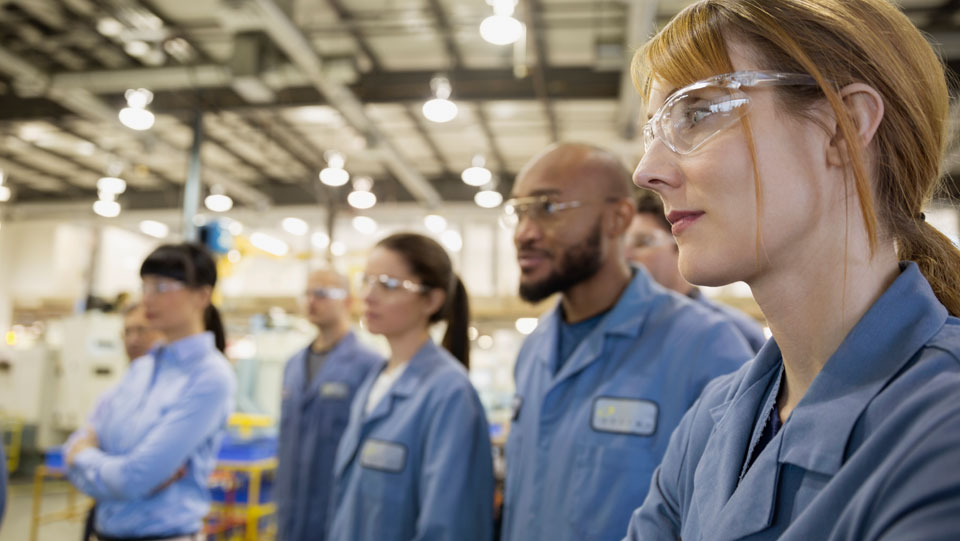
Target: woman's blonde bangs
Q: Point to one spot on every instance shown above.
(690, 48)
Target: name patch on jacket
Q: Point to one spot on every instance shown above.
(383, 455)
(334, 390)
(624, 416)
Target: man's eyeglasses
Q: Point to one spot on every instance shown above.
(387, 284)
(322, 293)
(692, 115)
(539, 208)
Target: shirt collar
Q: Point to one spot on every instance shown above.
(892, 331)
(187, 349)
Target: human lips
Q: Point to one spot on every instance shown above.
(680, 220)
(531, 259)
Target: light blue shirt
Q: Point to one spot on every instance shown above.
(871, 451)
(584, 442)
(312, 420)
(419, 467)
(747, 326)
(168, 411)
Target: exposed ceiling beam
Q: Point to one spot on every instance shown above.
(87, 105)
(346, 17)
(417, 121)
(446, 31)
(484, 121)
(406, 86)
(11, 162)
(165, 180)
(535, 29)
(293, 43)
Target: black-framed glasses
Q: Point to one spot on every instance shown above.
(694, 114)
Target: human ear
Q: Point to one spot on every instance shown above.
(864, 106)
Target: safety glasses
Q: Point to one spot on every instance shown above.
(694, 114)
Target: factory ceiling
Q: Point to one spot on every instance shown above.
(278, 85)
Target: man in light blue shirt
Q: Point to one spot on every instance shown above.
(607, 375)
(651, 244)
(154, 441)
(319, 384)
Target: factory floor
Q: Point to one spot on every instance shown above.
(16, 518)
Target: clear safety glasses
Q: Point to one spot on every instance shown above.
(322, 293)
(542, 209)
(388, 284)
(695, 113)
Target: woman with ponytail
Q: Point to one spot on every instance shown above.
(414, 463)
(795, 144)
(151, 445)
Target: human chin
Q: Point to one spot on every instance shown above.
(717, 263)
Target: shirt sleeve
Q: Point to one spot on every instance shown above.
(456, 489)
(135, 475)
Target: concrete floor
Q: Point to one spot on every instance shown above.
(16, 518)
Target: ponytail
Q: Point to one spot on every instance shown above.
(937, 258)
(457, 314)
(214, 323)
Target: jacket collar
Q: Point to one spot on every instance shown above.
(186, 350)
(816, 435)
(626, 318)
(421, 365)
(892, 331)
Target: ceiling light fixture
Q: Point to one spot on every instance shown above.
(501, 28)
(112, 185)
(476, 175)
(334, 174)
(218, 201)
(362, 197)
(106, 208)
(440, 109)
(488, 198)
(135, 115)
(110, 27)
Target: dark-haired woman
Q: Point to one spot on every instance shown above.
(414, 462)
(149, 449)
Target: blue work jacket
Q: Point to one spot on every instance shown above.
(419, 467)
(168, 412)
(871, 451)
(312, 420)
(748, 327)
(584, 442)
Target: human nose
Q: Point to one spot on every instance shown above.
(655, 171)
(527, 229)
